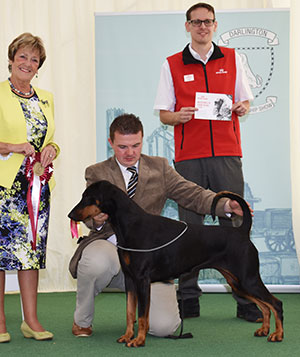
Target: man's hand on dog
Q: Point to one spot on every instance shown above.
(232, 206)
(100, 219)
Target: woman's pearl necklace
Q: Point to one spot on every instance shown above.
(19, 92)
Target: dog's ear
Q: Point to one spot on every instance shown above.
(108, 207)
(104, 193)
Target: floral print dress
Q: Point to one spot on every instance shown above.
(16, 252)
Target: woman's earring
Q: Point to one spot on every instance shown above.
(36, 75)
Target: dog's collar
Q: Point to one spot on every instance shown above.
(156, 248)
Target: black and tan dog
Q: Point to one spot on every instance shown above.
(154, 248)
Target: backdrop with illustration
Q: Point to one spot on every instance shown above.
(130, 49)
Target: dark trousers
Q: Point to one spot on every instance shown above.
(216, 174)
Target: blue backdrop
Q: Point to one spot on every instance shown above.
(130, 49)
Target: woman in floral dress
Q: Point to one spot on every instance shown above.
(26, 154)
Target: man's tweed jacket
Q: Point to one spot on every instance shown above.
(157, 181)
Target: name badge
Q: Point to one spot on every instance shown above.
(188, 78)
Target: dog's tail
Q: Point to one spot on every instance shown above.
(247, 217)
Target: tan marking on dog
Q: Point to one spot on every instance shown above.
(130, 318)
(266, 308)
(89, 211)
(126, 258)
(143, 327)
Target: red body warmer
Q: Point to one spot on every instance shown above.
(205, 138)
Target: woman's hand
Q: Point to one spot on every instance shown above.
(48, 154)
(25, 149)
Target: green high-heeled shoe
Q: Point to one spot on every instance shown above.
(4, 337)
(39, 336)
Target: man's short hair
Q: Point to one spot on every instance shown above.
(199, 5)
(125, 124)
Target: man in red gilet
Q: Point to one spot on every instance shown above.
(207, 143)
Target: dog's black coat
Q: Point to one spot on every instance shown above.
(227, 249)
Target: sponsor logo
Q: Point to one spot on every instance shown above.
(221, 71)
(259, 77)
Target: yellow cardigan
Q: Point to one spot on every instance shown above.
(13, 129)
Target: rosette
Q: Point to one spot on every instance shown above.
(37, 176)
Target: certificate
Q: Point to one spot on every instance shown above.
(213, 106)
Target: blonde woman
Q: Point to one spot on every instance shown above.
(26, 154)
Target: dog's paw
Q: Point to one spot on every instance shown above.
(136, 342)
(275, 337)
(125, 338)
(261, 332)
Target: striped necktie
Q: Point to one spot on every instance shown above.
(132, 182)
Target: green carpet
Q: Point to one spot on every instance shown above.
(217, 332)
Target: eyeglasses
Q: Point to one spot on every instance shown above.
(198, 23)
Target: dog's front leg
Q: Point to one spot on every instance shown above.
(143, 294)
(131, 300)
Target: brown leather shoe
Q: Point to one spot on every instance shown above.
(81, 331)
